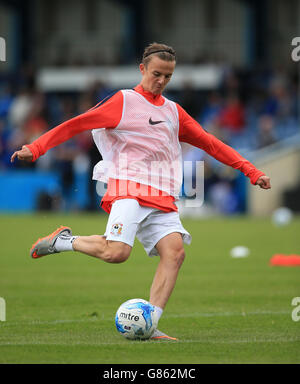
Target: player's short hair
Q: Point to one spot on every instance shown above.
(163, 51)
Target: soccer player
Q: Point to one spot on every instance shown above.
(135, 130)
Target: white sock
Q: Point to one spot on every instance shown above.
(64, 243)
(158, 311)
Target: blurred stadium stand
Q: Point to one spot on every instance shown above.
(281, 161)
(234, 75)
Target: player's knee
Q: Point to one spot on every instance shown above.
(117, 255)
(177, 257)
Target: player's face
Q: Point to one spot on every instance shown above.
(156, 74)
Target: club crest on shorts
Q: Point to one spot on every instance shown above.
(116, 229)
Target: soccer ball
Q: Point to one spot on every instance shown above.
(136, 319)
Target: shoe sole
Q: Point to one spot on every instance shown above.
(50, 237)
(164, 338)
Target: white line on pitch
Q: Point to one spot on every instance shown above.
(166, 316)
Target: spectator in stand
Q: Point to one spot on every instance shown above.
(280, 103)
(26, 118)
(86, 143)
(65, 155)
(20, 108)
(232, 116)
(212, 108)
(36, 122)
(6, 99)
(266, 134)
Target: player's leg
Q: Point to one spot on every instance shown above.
(62, 240)
(116, 244)
(171, 253)
(106, 250)
(162, 234)
(113, 247)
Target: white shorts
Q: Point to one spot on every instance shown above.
(128, 219)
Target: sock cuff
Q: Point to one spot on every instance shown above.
(159, 311)
(72, 240)
(64, 243)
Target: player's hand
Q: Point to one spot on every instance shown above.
(264, 182)
(23, 154)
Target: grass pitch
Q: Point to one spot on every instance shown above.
(60, 308)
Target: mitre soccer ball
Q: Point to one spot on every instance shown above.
(136, 319)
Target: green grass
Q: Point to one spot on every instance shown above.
(60, 309)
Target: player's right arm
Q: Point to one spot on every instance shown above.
(106, 114)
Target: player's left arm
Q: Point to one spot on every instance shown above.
(192, 133)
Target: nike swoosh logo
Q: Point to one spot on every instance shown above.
(155, 122)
